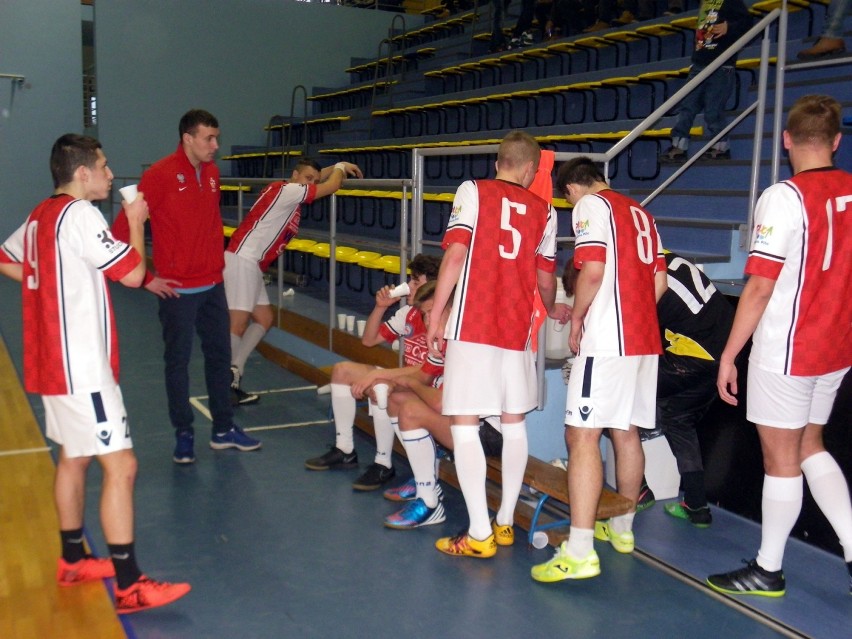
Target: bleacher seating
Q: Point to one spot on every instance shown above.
(441, 87)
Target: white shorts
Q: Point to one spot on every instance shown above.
(244, 285)
(612, 392)
(786, 401)
(88, 424)
(486, 380)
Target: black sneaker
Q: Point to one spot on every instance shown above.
(751, 580)
(333, 460)
(673, 155)
(698, 517)
(238, 396)
(646, 498)
(374, 477)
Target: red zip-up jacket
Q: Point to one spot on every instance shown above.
(186, 225)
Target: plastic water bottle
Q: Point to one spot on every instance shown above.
(556, 334)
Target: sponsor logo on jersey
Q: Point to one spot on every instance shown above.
(581, 228)
(762, 234)
(212, 185)
(107, 240)
(455, 213)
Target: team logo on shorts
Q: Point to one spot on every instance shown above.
(105, 436)
(585, 411)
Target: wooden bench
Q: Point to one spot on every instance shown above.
(551, 513)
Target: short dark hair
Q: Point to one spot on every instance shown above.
(306, 161)
(422, 264)
(580, 171)
(569, 276)
(69, 152)
(194, 118)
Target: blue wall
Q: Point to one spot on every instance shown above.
(40, 39)
(238, 60)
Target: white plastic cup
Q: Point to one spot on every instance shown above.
(400, 291)
(288, 293)
(350, 323)
(381, 393)
(558, 326)
(341, 321)
(540, 539)
(362, 324)
(129, 192)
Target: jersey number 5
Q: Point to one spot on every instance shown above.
(506, 224)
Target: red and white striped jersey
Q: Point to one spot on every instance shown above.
(407, 323)
(622, 319)
(271, 223)
(510, 233)
(803, 239)
(70, 340)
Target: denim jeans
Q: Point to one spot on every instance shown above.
(207, 314)
(710, 97)
(837, 10)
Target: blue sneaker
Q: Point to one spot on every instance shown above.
(184, 452)
(415, 514)
(234, 438)
(404, 492)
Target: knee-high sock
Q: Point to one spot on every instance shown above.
(514, 463)
(344, 406)
(622, 523)
(420, 448)
(782, 503)
(831, 493)
(384, 436)
(470, 466)
(249, 341)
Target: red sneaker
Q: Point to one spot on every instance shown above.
(87, 569)
(147, 593)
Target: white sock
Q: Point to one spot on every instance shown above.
(470, 467)
(235, 346)
(384, 436)
(343, 405)
(581, 541)
(782, 503)
(514, 463)
(831, 493)
(420, 448)
(251, 338)
(622, 523)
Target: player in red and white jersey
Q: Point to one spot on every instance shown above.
(794, 306)
(349, 380)
(613, 381)
(62, 255)
(258, 241)
(500, 249)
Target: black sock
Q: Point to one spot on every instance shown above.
(124, 559)
(72, 545)
(694, 494)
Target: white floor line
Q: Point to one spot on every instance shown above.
(269, 391)
(24, 451)
(201, 408)
(293, 425)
